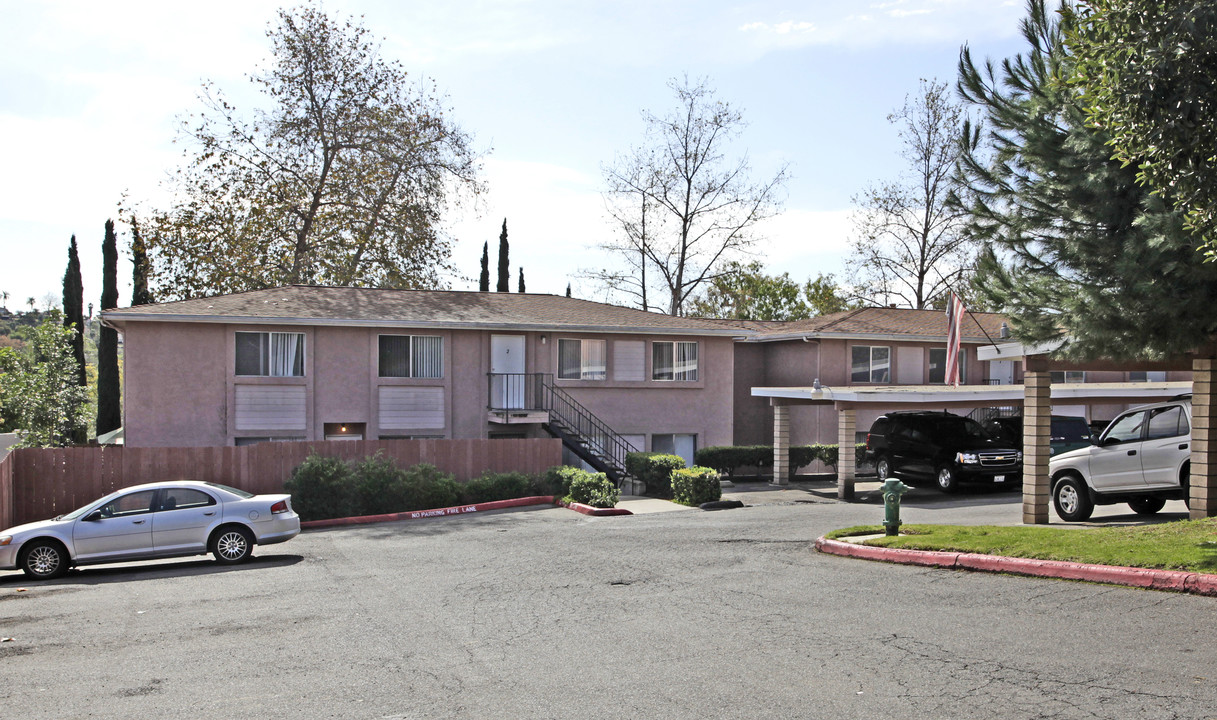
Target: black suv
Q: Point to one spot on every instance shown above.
(940, 446)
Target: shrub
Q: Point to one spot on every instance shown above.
(695, 485)
(593, 489)
(654, 470)
(556, 481)
(378, 486)
(425, 487)
(728, 459)
(322, 488)
(492, 486)
(803, 455)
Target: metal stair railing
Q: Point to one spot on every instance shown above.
(579, 428)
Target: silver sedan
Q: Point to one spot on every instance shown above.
(157, 520)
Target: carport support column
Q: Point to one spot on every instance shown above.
(847, 460)
(1037, 435)
(1204, 441)
(781, 445)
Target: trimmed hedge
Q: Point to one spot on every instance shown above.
(327, 487)
(593, 489)
(654, 470)
(696, 485)
(728, 459)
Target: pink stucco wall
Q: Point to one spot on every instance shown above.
(181, 385)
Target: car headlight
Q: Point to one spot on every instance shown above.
(5, 539)
(966, 458)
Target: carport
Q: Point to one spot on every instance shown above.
(1035, 395)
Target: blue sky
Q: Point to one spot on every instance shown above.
(91, 94)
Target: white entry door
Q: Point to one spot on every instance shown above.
(507, 366)
(1002, 371)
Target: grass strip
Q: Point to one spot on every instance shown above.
(1189, 545)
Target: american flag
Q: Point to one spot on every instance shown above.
(955, 313)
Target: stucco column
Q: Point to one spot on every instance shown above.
(1203, 483)
(847, 463)
(781, 445)
(1037, 436)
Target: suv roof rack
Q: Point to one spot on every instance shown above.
(1181, 396)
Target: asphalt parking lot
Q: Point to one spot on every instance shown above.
(546, 613)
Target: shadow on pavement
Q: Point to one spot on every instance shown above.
(152, 570)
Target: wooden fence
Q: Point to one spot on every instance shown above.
(40, 483)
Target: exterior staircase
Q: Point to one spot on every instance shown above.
(534, 397)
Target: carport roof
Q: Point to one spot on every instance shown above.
(937, 396)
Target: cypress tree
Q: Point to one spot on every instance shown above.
(1077, 250)
(109, 404)
(521, 280)
(504, 265)
(567, 289)
(484, 282)
(73, 310)
(73, 319)
(139, 274)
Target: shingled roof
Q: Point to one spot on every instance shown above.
(312, 305)
(902, 323)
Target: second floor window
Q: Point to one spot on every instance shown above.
(581, 359)
(1068, 376)
(411, 356)
(871, 364)
(270, 354)
(674, 361)
(938, 366)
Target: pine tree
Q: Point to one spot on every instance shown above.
(504, 264)
(109, 403)
(1077, 250)
(484, 282)
(142, 269)
(521, 280)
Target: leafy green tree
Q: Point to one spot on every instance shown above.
(1077, 250)
(342, 179)
(39, 393)
(825, 297)
(908, 246)
(1148, 73)
(504, 284)
(745, 292)
(109, 403)
(685, 207)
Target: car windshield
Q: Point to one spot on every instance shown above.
(948, 429)
(233, 490)
(79, 511)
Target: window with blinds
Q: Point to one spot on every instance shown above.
(411, 356)
(674, 361)
(270, 354)
(581, 359)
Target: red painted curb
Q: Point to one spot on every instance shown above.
(1175, 580)
(435, 512)
(595, 511)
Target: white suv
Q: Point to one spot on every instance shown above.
(1142, 458)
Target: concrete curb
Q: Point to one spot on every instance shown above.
(1174, 580)
(462, 510)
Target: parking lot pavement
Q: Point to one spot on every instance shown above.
(547, 613)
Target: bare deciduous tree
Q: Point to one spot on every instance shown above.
(683, 207)
(909, 247)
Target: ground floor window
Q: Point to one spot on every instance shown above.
(243, 441)
(676, 444)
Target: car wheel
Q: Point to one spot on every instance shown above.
(948, 482)
(232, 545)
(1072, 499)
(883, 468)
(1146, 505)
(44, 560)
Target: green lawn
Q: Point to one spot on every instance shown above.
(1185, 545)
